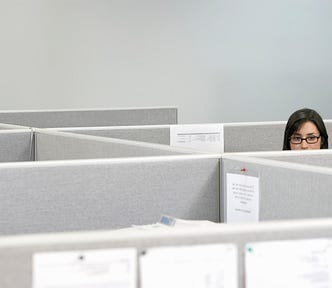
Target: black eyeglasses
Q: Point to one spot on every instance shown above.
(298, 139)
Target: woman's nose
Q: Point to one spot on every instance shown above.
(304, 144)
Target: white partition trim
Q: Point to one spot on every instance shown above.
(282, 153)
(106, 161)
(268, 227)
(13, 126)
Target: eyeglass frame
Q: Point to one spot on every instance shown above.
(306, 139)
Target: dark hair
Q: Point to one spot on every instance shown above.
(297, 119)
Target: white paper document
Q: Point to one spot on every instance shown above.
(111, 268)
(242, 198)
(201, 266)
(204, 137)
(289, 264)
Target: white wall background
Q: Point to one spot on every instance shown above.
(216, 60)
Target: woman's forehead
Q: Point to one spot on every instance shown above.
(307, 127)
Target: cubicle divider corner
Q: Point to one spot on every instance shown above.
(34, 144)
(90, 117)
(279, 190)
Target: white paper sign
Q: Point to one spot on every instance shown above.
(201, 266)
(242, 198)
(289, 264)
(205, 137)
(86, 269)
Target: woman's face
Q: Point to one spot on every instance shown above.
(309, 131)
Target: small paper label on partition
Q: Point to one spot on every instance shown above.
(292, 263)
(242, 198)
(86, 269)
(204, 137)
(204, 266)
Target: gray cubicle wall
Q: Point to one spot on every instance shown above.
(287, 190)
(16, 252)
(54, 145)
(256, 136)
(238, 137)
(52, 196)
(159, 134)
(92, 117)
(16, 145)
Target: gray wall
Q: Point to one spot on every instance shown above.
(216, 60)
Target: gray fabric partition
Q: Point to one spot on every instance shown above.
(16, 145)
(68, 195)
(95, 117)
(159, 134)
(260, 136)
(287, 190)
(63, 146)
(16, 252)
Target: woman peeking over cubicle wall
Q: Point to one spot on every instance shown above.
(305, 129)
